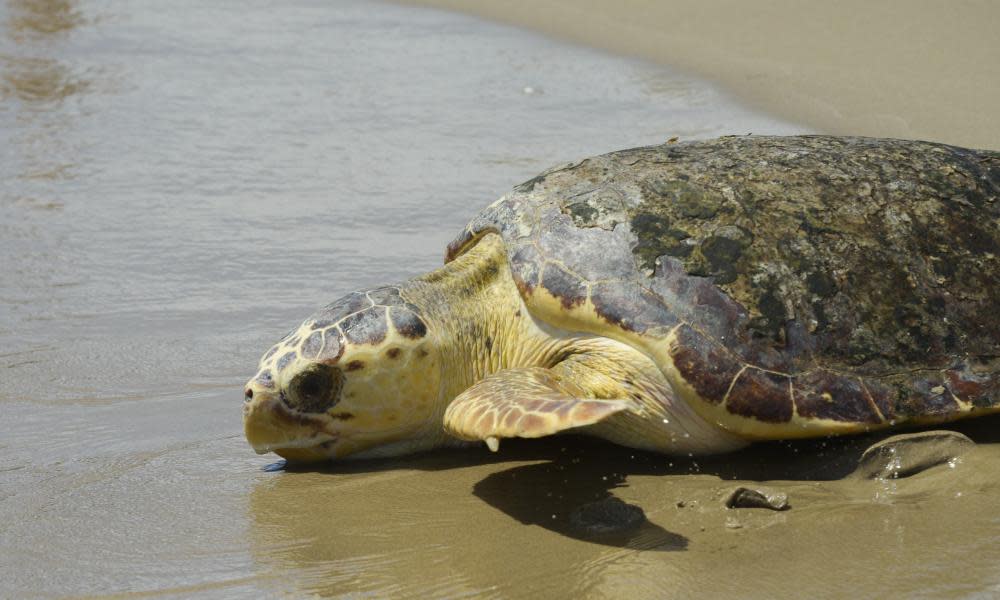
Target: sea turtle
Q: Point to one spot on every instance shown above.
(683, 298)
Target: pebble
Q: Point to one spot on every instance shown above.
(745, 497)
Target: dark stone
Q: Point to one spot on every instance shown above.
(744, 497)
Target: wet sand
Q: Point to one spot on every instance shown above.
(502, 525)
(179, 188)
(923, 70)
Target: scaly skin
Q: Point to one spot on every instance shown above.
(395, 380)
(681, 298)
(786, 286)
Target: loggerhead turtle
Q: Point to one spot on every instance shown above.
(682, 298)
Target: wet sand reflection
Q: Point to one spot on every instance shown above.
(35, 80)
(461, 522)
(32, 72)
(442, 523)
(42, 17)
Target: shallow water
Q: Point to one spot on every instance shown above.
(181, 185)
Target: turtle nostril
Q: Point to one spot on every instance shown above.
(248, 395)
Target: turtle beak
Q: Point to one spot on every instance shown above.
(271, 426)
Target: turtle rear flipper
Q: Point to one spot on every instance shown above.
(524, 402)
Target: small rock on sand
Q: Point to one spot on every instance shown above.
(745, 497)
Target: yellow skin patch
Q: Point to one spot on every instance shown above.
(398, 370)
(474, 359)
(488, 360)
(655, 279)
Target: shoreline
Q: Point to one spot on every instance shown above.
(921, 69)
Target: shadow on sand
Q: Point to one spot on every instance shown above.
(568, 483)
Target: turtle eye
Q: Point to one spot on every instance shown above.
(316, 390)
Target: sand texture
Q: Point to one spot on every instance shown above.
(919, 69)
(181, 182)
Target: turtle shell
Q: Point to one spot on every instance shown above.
(808, 283)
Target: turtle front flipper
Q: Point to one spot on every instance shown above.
(524, 402)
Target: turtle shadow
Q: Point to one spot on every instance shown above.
(569, 485)
(820, 459)
(572, 494)
(562, 490)
(581, 472)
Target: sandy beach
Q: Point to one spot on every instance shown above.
(181, 183)
(922, 69)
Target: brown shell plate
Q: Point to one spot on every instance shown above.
(847, 279)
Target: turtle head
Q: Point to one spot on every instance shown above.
(359, 378)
